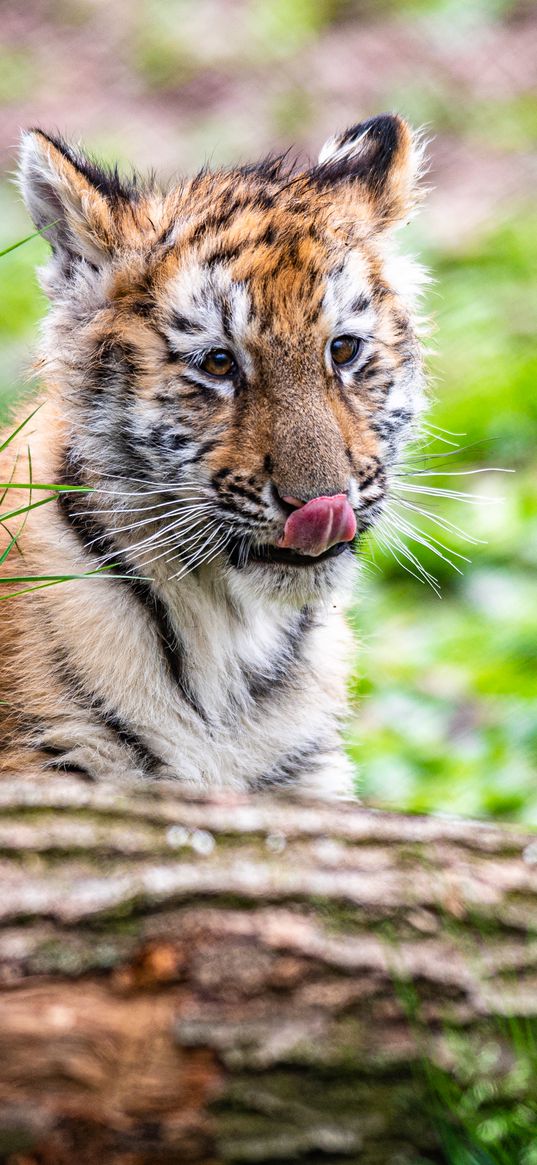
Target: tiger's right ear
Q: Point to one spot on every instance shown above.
(373, 170)
(69, 198)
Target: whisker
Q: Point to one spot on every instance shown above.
(186, 511)
(457, 472)
(186, 478)
(160, 489)
(181, 535)
(119, 510)
(434, 437)
(166, 549)
(438, 429)
(403, 526)
(420, 573)
(410, 484)
(224, 541)
(243, 550)
(198, 556)
(440, 520)
(188, 519)
(157, 541)
(456, 452)
(440, 492)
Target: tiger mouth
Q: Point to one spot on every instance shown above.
(278, 556)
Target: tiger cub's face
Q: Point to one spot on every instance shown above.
(242, 345)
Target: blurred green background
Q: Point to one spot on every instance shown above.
(444, 709)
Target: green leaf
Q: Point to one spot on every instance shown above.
(14, 539)
(25, 509)
(83, 489)
(51, 580)
(21, 242)
(14, 434)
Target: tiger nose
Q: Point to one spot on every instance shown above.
(315, 526)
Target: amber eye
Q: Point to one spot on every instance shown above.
(218, 362)
(344, 349)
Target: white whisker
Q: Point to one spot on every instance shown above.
(441, 521)
(119, 510)
(181, 537)
(402, 526)
(457, 472)
(175, 538)
(188, 521)
(183, 478)
(187, 512)
(438, 491)
(199, 556)
(144, 493)
(395, 546)
(438, 429)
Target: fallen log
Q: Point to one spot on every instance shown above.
(221, 979)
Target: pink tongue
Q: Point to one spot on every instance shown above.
(319, 524)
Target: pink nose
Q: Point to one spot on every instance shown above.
(319, 524)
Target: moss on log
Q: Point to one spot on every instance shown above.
(220, 979)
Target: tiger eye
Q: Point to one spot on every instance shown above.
(218, 362)
(344, 349)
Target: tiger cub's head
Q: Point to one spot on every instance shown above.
(239, 350)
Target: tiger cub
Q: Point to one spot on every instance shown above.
(231, 369)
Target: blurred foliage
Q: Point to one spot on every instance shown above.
(484, 1106)
(16, 75)
(446, 689)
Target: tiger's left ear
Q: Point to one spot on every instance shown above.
(379, 162)
(69, 198)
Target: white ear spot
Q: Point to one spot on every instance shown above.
(379, 163)
(341, 146)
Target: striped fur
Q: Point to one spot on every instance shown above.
(194, 656)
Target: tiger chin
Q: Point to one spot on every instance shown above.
(231, 369)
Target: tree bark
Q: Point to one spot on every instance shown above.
(221, 980)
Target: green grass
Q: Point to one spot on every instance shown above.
(486, 1114)
(483, 1104)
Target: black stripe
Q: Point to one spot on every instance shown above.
(70, 679)
(242, 491)
(282, 667)
(292, 766)
(182, 324)
(147, 759)
(59, 765)
(361, 303)
(173, 649)
(202, 450)
(366, 480)
(96, 540)
(223, 254)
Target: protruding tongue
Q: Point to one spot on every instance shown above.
(319, 524)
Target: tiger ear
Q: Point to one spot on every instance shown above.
(69, 198)
(379, 161)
